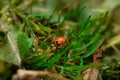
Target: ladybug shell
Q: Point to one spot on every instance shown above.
(58, 42)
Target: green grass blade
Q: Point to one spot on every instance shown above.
(56, 57)
(93, 48)
(74, 68)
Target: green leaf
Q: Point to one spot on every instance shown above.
(3, 37)
(16, 45)
(24, 44)
(7, 54)
(8, 50)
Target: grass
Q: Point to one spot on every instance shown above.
(33, 33)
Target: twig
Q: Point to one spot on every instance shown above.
(33, 75)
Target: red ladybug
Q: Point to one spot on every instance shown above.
(58, 42)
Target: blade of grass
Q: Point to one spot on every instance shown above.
(93, 48)
(81, 64)
(56, 57)
(82, 28)
(74, 68)
(46, 29)
(29, 26)
(74, 56)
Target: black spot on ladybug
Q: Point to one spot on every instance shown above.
(57, 42)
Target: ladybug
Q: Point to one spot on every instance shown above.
(58, 42)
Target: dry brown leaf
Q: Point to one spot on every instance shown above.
(90, 74)
(93, 73)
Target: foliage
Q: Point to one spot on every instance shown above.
(27, 34)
